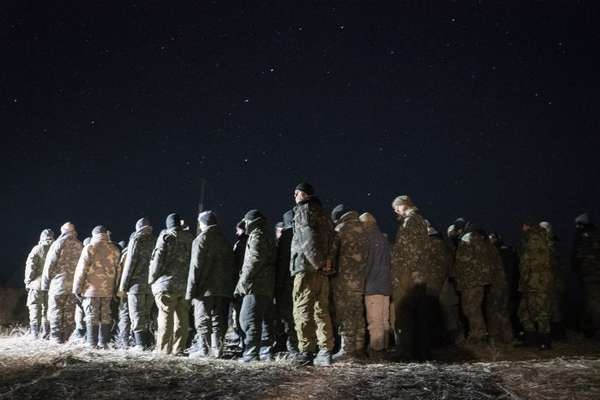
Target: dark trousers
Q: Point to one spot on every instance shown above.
(210, 316)
(252, 319)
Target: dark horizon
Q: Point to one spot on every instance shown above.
(477, 110)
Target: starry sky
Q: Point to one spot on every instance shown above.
(115, 111)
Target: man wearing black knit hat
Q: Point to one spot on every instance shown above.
(256, 284)
(310, 266)
(210, 286)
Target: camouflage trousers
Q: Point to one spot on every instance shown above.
(140, 311)
(61, 315)
(472, 304)
(37, 303)
(378, 321)
(173, 321)
(124, 323)
(311, 312)
(350, 319)
(450, 306)
(79, 317)
(97, 310)
(535, 310)
(497, 311)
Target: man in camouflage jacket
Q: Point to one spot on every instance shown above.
(169, 267)
(310, 265)
(498, 295)
(256, 283)
(57, 279)
(37, 299)
(95, 284)
(210, 285)
(536, 284)
(134, 285)
(472, 275)
(409, 252)
(350, 254)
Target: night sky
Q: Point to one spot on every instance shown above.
(110, 113)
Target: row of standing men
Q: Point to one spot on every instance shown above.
(315, 289)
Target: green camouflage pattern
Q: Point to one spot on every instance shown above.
(409, 252)
(258, 270)
(96, 272)
(435, 270)
(211, 271)
(535, 269)
(313, 237)
(60, 264)
(34, 266)
(134, 279)
(170, 262)
(472, 262)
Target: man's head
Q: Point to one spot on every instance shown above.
(582, 221)
(402, 205)
(47, 235)
(251, 216)
(367, 219)
(142, 223)
(173, 221)
(206, 219)
(67, 227)
(547, 226)
(240, 228)
(278, 229)
(303, 192)
(98, 230)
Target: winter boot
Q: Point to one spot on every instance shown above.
(216, 345)
(200, 349)
(91, 335)
(266, 353)
(250, 355)
(139, 341)
(322, 359)
(302, 359)
(104, 337)
(34, 330)
(346, 352)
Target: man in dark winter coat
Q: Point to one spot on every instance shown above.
(210, 285)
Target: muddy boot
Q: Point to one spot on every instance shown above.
(266, 353)
(91, 336)
(302, 359)
(322, 359)
(104, 337)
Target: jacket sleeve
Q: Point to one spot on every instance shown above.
(50, 265)
(32, 265)
(197, 273)
(81, 271)
(253, 262)
(159, 257)
(129, 265)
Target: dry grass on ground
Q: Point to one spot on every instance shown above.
(38, 369)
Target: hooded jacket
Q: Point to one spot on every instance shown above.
(96, 272)
(258, 271)
(60, 264)
(211, 270)
(34, 266)
(170, 262)
(134, 279)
